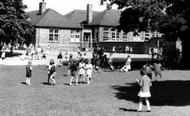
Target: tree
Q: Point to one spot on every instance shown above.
(14, 25)
(170, 17)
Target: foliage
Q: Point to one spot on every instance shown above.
(170, 17)
(13, 21)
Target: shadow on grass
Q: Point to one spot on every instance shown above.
(46, 83)
(128, 110)
(65, 75)
(24, 83)
(172, 93)
(66, 84)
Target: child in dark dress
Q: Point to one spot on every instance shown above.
(52, 72)
(59, 58)
(74, 72)
(28, 72)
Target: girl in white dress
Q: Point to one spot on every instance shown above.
(89, 68)
(144, 93)
(81, 70)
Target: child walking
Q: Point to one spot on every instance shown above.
(28, 72)
(89, 68)
(73, 72)
(52, 72)
(81, 70)
(144, 93)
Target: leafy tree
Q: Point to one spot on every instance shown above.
(170, 17)
(14, 26)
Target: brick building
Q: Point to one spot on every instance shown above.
(54, 30)
(85, 29)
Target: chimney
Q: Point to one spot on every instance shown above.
(89, 13)
(42, 7)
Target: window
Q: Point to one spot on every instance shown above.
(118, 34)
(53, 35)
(113, 33)
(105, 33)
(75, 36)
(125, 36)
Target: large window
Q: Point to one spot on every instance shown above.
(53, 35)
(105, 33)
(113, 34)
(75, 36)
(118, 35)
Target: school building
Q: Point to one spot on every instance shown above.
(85, 29)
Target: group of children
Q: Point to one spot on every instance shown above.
(51, 72)
(80, 69)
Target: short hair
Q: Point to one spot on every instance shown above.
(142, 72)
(52, 61)
(29, 62)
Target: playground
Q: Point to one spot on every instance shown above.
(108, 94)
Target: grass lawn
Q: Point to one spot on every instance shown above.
(109, 94)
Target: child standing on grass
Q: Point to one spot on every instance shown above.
(81, 70)
(59, 58)
(28, 72)
(89, 68)
(70, 62)
(73, 72)
(157, 70)
(144, 93)
(52, 72)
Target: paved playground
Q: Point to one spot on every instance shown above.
(16, 60)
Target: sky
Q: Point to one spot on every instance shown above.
(64, 6)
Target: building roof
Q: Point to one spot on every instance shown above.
(78, 16)
(107, 18)
(51, 18)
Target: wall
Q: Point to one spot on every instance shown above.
(42, 39)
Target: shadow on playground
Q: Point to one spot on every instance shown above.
(171, 93)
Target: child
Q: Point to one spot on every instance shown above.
(157, 70)
(59, 58)
(52, 72)
(89, 68)
(81, 70)
(148, 69)
(70, 62)
(127, 65)
(97, 63)
(3, 55)
(73, 72)
(144, 92)
(28, 72)
(66, 56)
(110, 62)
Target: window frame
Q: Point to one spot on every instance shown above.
(54, 35)
(75, 36)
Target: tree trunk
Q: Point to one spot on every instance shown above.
(185, 52)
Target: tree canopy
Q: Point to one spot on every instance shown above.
(170, 17)
(14, 25)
